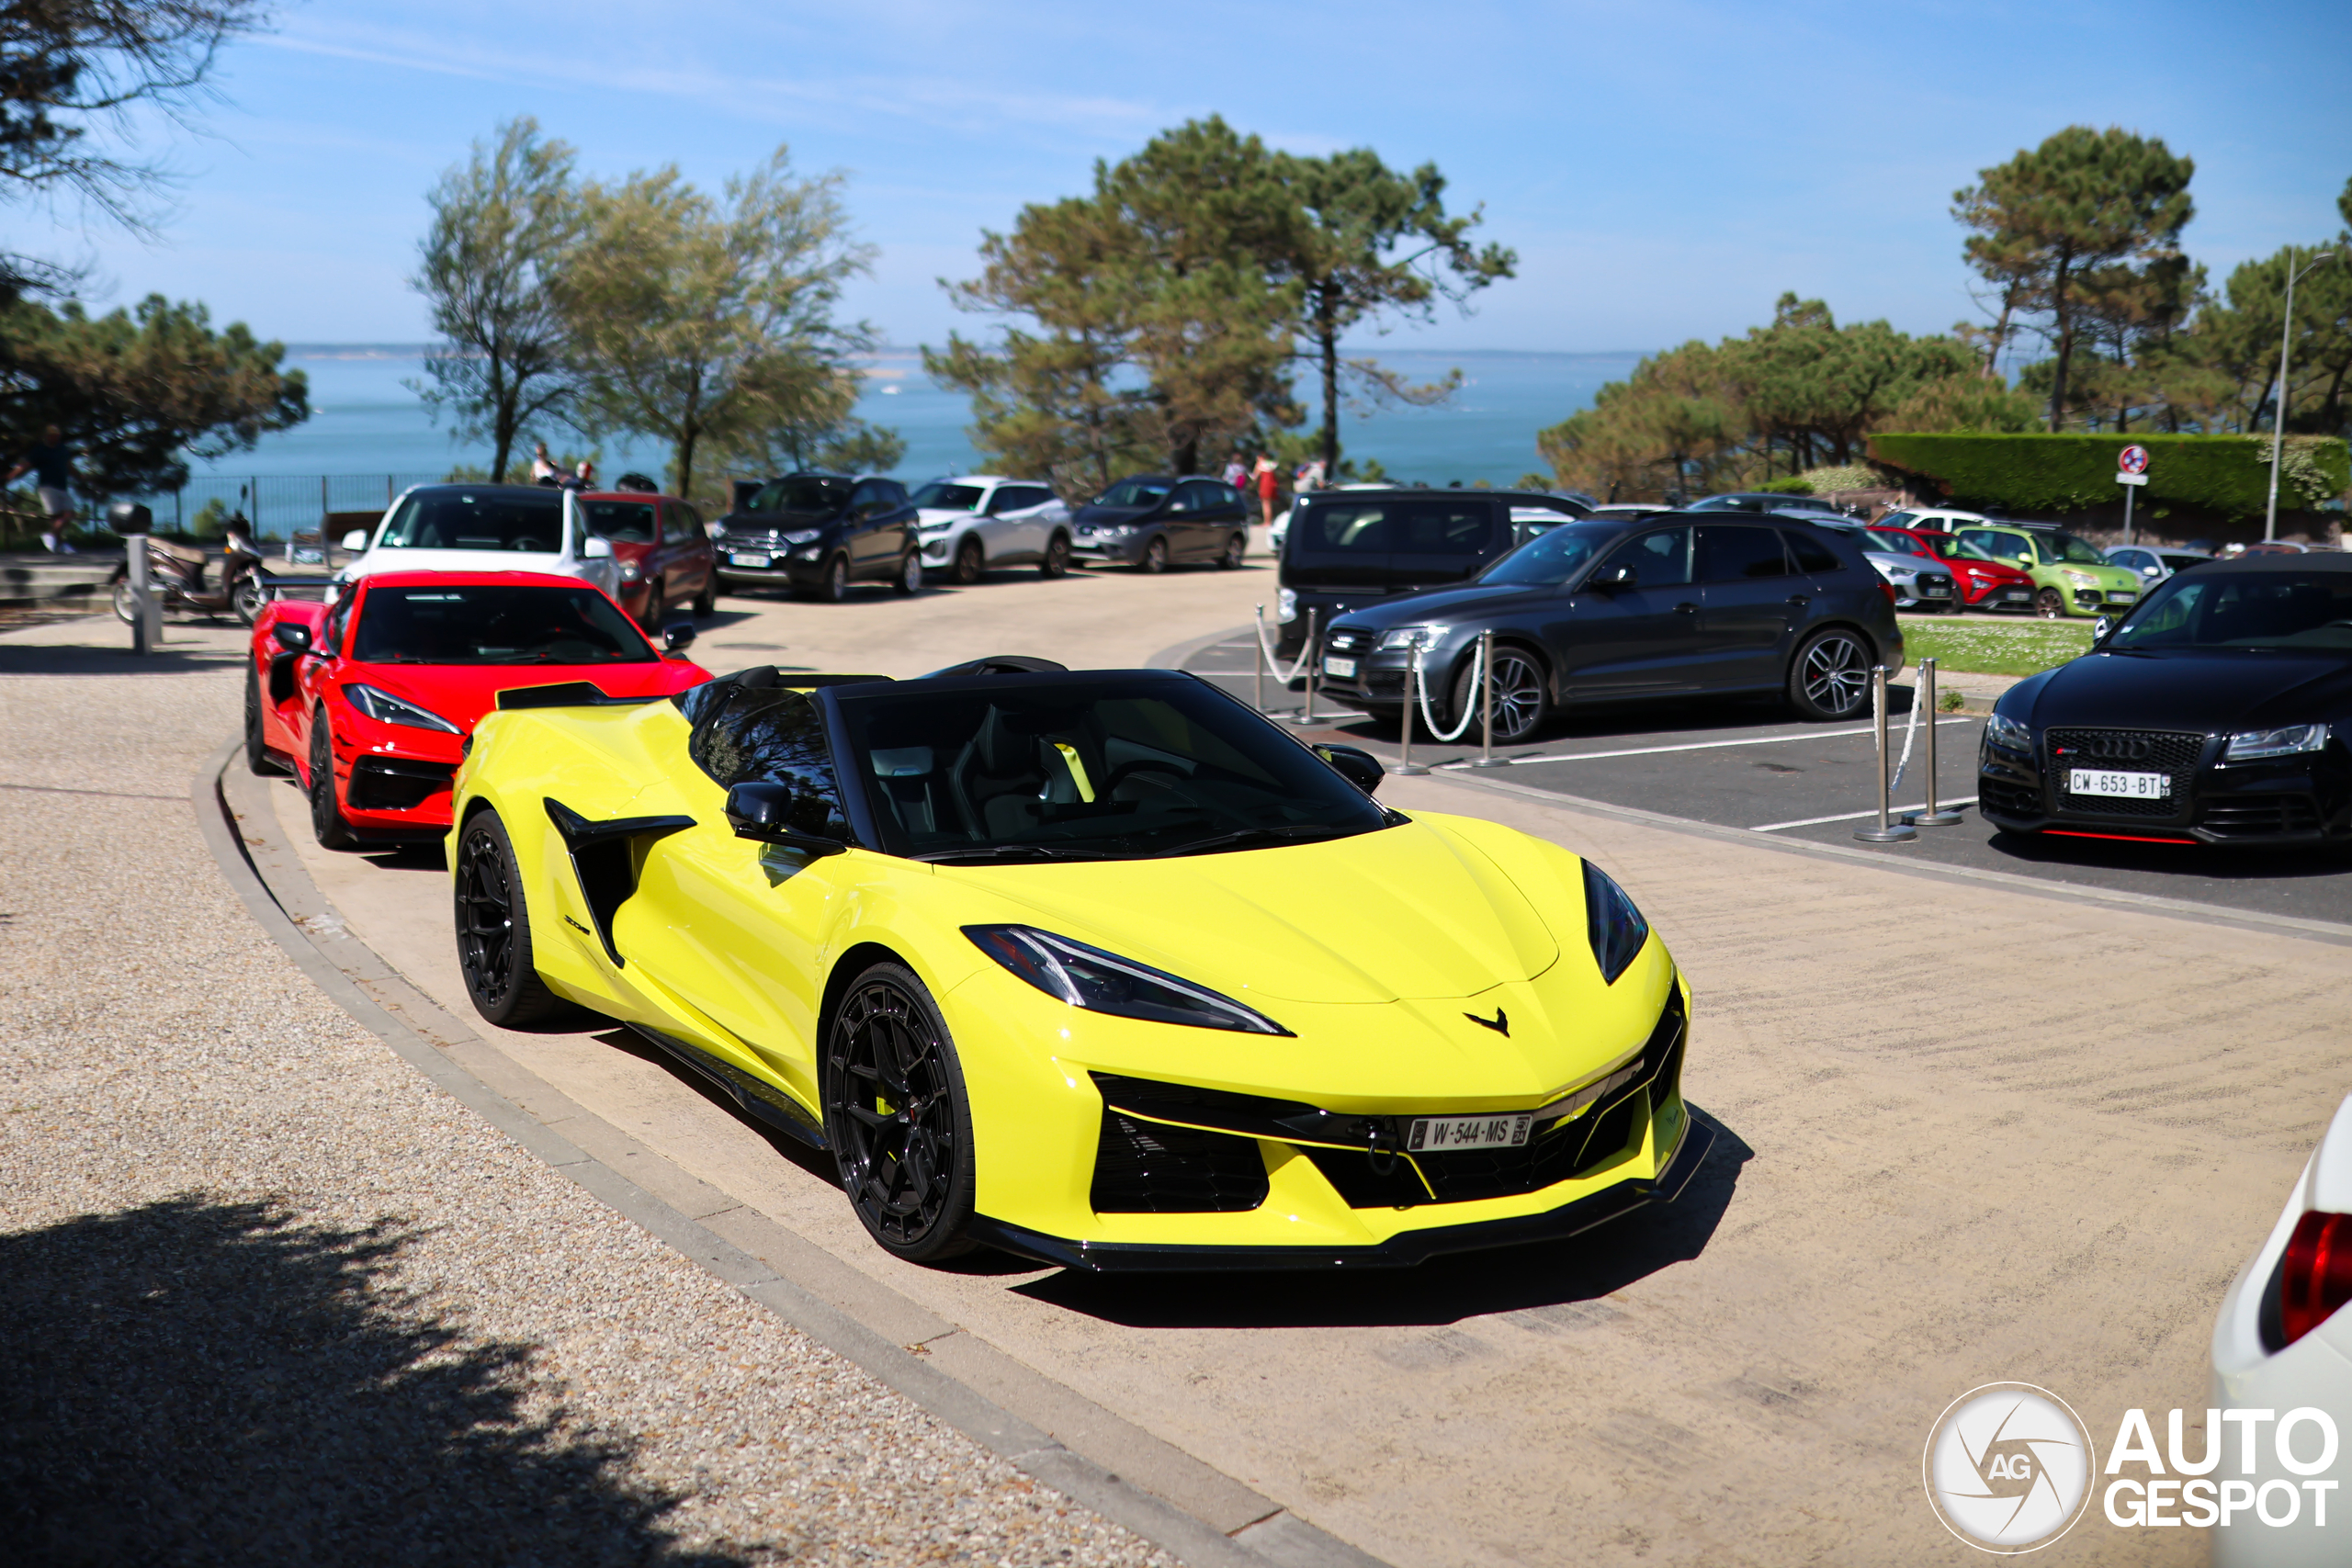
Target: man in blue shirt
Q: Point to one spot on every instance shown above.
(52, 466)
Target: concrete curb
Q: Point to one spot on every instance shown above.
(1273, 1538)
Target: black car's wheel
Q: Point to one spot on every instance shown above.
(2050, 604)
(834, 588)
(493, 929)
(707, 602)
(910, 578)
(1155, 556)
(259, 760)
(1055, 561)
(1235, 548)
(896, 1116)
(651, 618)
(1522, 701)
(327, 823)
(969, 561)
(1830, 677)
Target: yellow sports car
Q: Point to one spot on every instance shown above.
(1098, 967)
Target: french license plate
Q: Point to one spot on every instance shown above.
(1344, 669)
(1935, 592)
(1437, 1134)
(2121, 598)
(2123, 787)
(747, 557)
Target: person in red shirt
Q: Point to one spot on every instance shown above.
(1268, 480)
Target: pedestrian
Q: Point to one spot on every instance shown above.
(583, 477)
(543, 466)
(52, 466)
(1237, 474)
(1268, 481)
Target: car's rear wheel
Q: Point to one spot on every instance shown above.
(1830, 677)
(494, 929)
(909, 579)
(1056, 562)
(1235, 548)
(651, 618)
(259, 760)
(1155, 556)
(327, 822)
(969, 561)
(2050, 604)
(1522, 700)
(897, 1115)
(707, 602)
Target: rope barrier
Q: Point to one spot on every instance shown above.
(1909, 731)
(1274, 665)
(1469, 710)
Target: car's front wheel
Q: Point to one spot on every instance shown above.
(1154, 555)
(650, 619)
(493, 925)
(969, 561)
(1522, 699)
(1235, 548)
(909, 579)
(327, 822)
(897, 1115)
(1056, 562)
(1830, 677)
(2050, 604)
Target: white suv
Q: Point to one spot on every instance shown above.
(974, 522)
(462, 527)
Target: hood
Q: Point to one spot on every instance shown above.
(554, 564)
(2192, 690)
(1890, 560)
(1475, 601)
(1409, 911)
(463, 692)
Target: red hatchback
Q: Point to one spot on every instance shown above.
(1982, 583)
(662, 553)
(371, 702)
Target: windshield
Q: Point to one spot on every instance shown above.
(1896, 544)
(1136, 493)
(480, 520)
(2054, 549)
(1947, 548)
(1552, 557)
(802, 497)
(624, 522)
(1116, 768)
(494, 624)
(2275, 610)
(941, 497)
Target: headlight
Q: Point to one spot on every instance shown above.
(939, 528)
(1104, 982)
(1422, 637)
(386, 709)
(2009, 734)
(1616, 926)
(630, 572)
(799, 535)
(2082, 580)
(2252, 745)
(1286, 604)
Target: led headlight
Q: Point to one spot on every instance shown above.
(1616, 928)
(1422, 637)
(2253, 745)
(1104, 982)
(386, 709)
(2082, 580)
(799, 535)
(1286, 604)
(2009, 734)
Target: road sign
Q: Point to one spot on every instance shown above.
(2131, 478)
(2132, 459)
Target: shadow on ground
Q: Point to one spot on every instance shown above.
(195, 1382)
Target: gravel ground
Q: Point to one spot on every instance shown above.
(266, 1297)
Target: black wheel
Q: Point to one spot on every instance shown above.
(494, 929)
(327, 823)
(2050, 604)
(909, 579)
(1830, 677)
(1056, 559)
(897, 1117)
(707, 602)
(969, 561)
(251, 598)
(650, 619)
(1155, 556)
(1235, 548)
(1521, 702)
(259, 760)
(836, 585)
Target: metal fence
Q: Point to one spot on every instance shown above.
(277, 505)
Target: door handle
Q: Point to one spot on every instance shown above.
(1799, 599)
(1686, 609)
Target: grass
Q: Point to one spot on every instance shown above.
(1982, 647)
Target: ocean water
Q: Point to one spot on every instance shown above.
(366, 420)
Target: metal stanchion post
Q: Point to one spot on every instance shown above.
(134, 522)
(1486, 758)
(1932, 816)
(1257, 663)
(1886, 832)
(1405, 763)
(1314, 669)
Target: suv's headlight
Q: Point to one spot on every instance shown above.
(2009, 734)
(1422, 637)
(386, 709)
(1104, 982)
(799, 535)
(1286, 605)
(2252, 745)
(1616, 928)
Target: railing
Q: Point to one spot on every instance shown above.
(277, 505)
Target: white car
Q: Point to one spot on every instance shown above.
(1932, 519)
(975, 522)
(462, 527)
(2282, 1357)
(2154, 564)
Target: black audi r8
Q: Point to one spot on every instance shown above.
(2218, 711)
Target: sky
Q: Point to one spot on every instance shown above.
(1663, 168)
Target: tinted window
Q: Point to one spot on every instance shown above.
(1025, 496)
(2055, 548)
(1341, 528)
(756, 735)
(1661, 559)
(1729, 503)
(1136, 494)
(801, 497)
(2000, 546)
(626, 522)
(486, 519)
(1896, 544)
(868, 500)
(2284, 610)
(2182, 563)
(1208, 495)
(685, 523)
(1729, 554)
(1809, 553)
(338, 618)
(494, 624)
(1898, 520)
(950, 498)
(1552, 557)
(1440, 527)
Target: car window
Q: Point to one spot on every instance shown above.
(1213, 495)
(479, 520)
(943, 497)
(1900, 519)
(1896, 544)
(803, 496)
(1031, 495)
(2182, 563)
(2057, 548)
(1341, 528)
(1943, 545)
(1185, 501)
(685, 523)
(1999, 546)
(337, 619)
(1728, 553)
(1440, 527)
(494, 624)
(623, 521)
(2275, 610)
(1659, 559)
(766, 734)
(1809, 553)
(1136, 493)
(868, 500)
(1552, 557)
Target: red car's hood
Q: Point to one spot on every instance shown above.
(463, 692)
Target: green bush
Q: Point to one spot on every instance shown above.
(2225, 474)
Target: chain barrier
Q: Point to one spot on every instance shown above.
(1469, 710)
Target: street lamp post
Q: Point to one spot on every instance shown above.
(2278, 408)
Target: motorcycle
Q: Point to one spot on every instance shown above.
(175, 574)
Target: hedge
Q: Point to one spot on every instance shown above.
(2225, 474)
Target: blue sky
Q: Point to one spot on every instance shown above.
(1664, 168)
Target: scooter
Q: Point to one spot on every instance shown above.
(175, 572)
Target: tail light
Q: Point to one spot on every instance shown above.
(1888, 589)
(2315, 1278)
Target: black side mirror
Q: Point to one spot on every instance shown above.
(677, 636)
(767, 811)
(292, 636)
(1360, 768)
(1621, 575)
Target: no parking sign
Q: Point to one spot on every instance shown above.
(2132, 460)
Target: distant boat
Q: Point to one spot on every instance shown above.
(890, 391)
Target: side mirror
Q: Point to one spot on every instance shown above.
(1360, 768)
(766, 811)
(2150, 570)
(2100, 628)
(1621, 575)
(596, 550)
(292, 636)
(356, 541)
(677, 636)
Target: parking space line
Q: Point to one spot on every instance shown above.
(1857, 816)
(1695, 746)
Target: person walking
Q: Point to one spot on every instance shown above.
(543, 466)
(1237, 474)
(1268, 481)
(52, 466)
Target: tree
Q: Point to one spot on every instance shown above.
(2082, 201)
(1373, 242)
(698, 320)
(503, 223)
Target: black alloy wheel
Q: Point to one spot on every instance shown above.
(249, 599)
(493, 928)
(897, 1117)
(2050, 604)
(707, 602)
(1154, 555)
(1056, 562)
(969, 561)
(1830, 677)
(327, 823)
(909, 579)
(651, 619)
(259, 760)
(836, 584)
(1522, 699)
(1235, 548)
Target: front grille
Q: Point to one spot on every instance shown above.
(397, 784)
(2007, 799)
(1145, 1167)
(2261, 815)
(2172, 752)
(1348, 639)
(1935, 584)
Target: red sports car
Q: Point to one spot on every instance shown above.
(371, 700)
(1982, 583)
(662, 553)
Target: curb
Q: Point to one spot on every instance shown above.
(1273, 1538)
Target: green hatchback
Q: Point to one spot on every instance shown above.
(2070, 578)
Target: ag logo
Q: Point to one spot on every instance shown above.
(2008, 1468)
